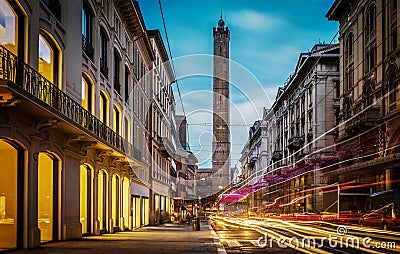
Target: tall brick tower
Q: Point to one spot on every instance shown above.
(221, 142)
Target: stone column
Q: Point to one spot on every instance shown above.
(32, 201)
(70, 196)
(95, 219)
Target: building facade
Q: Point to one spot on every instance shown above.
(285, 150)
(74, 128)
(162, 129)
(368, 143)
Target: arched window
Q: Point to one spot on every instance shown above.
(117, 60)
(349, 47)
(9, 27)
(48, 66)
(87, 31)
(117, 120)
(103, 107)
(103, 54)
(87, 93)
(368, 99)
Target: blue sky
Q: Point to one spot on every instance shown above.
(267, 37)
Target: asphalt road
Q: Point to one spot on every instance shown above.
(240, 235)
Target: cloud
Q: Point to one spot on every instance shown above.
(255, 21)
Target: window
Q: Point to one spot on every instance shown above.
(87, 93)
(349, 48)
(47, 59)
(103, 107)
(371, 57)
(370, 38)
(126, 84)
(393, 25)
(337, 90)
(393, 83)
(117, 85)
(117, 119)
(127, 134)
(371, 19)
(103, 54)
(368, 95)
(8, 27)
(349, 78)
(55, 7)
(87, 31)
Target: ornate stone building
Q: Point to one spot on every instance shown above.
(162, 130)
(295, 135)
(74, 129)
(369, 126)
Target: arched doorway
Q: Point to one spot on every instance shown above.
(11, 199)
(115, 201)
(102, 201)
(86, 179)
(47, 196)
(126, 192)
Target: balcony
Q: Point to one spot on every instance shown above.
(364, 120)
(55, 7)
(295, 143)
(253, 158)
(87, 47)
(165, 145)
(25, 82)
(103, 67)
(277, 155)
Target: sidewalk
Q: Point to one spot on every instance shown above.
(168, 238)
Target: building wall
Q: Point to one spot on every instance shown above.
(61, 130)
(369, 98)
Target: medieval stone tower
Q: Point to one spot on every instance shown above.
(221, 142)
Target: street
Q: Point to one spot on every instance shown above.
(240, 235)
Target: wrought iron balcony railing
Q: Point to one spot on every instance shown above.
(87, 47)
(55, 8)
(295, 142)
(39, 89)
(277, 155)
(364, 120)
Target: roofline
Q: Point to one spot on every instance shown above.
(333, 11)
(155, 33)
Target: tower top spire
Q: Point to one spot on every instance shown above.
(221, 23)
